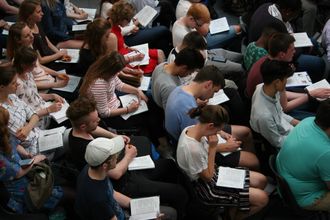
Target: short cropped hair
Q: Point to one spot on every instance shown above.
(79, 109)
(192, 58)
(279, 42)
(322, 117)
(212, 73)
(272, 70)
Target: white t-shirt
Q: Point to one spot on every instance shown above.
(192, 155)
(182, 8)
(180, 30)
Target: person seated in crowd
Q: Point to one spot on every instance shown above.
(119, 16)
(166, 76)
(326, 39)
(14, 176)
(74, 12)
(281, 48)
(183, 98)
(162, 180)
(23, 120)
(267, 116)
(57, 25)
(157, 36)
(96, 198)
(196, 155)
(21, 35)
(31, 13)
(308, 174)
(198, 18)
(24, 61)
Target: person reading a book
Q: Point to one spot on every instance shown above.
(267, 116)
(196, 153)
(21, 35)
(119, 16)
(208, 81)
(198, 18)
(24, 61)
(96, 198)
(308, 173)
(161, 180)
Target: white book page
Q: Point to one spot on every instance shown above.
(72, 84)
(299, 79)
(302, 40)
(60, 115)
(50, 139)
(142, 48)
(222, 141)
(231, 177)
(79, 27)
(145, 208)
(219, 25)
(73, 53)
(126, 100)
(218, 98)
(318, 85)
(91, 14)
(145, 82)
(146, 15)
(139, 163)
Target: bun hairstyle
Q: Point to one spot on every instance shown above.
(210, 114)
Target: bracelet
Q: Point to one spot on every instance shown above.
(126, 109)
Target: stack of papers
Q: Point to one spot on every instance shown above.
(59, 116)
(72, 84)
(219, 25)
(142, 48)
(323, 84)
(299, 79)
(146, 15)
(231, 178)
(79, 27)
(218, 98)
(73, 53)
(50, 139)
(141, 163)
(91, 14)
(302, 40)
(126, 100)
(145, 208)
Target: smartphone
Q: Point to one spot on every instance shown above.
(26, 162)
(219, 59)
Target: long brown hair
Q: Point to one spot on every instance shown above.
(4, 133)
(24, 57)
(26, 9)
(94, 34)
(15, 35)
(105, 67)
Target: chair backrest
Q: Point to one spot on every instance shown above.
(283, 187)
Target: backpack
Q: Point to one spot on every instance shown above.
(40, 187)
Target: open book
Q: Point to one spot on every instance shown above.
(141, 163)
(231, 177)
(302, 40)
(299, 79)
(219, 25)
(72, 84)
(142, 48)
(126, 100)
(73, 53)
(145, 82)
(91, 14)
(146, 15)
(320, 84)
(50, 139)
(59, 116)
(222, 141)
(218, 98)
(145, 208)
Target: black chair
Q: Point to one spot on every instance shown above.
(289, 199)
(7, 214)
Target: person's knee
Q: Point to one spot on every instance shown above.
(258, 198)
(248, 159)
(258, 180)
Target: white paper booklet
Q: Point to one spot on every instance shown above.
(145, 82)
(59, 116)
(146, 15)
(231, 177)
(299, 79)
(320, 84)
(141, 163)
(126, 100)
(72, 84)
(91, 14)
(222, 141)
(142, 48)
(219, 25)
(79, 27)
(302, 40)
(73, 53)
(218, 98)
(50, 139)
(145, 208)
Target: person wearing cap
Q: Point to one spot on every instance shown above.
(162, 180)
(95, 197)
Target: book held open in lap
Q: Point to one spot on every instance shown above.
(231, 177)
(141, 163)
(146, 15)
(145, 208)
(299, 79)
(219, 25)
(50, 139)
